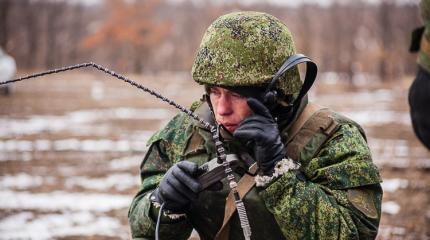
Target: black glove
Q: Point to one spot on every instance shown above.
(260, 132)
(179, 187)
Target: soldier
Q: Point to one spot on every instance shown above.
(419, 93)
(316, 178)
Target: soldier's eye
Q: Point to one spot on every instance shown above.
(236, 95)
(215, 93)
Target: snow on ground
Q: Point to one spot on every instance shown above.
(83, 201)
(390, 207)
(116, 181)
(398, 153)
(62, 201)
(392, 185)
(24, 181)
(78, 121)
(389, 232)
(73, 144)
(125, 163)
(380, 99)
(370, 118)
(25, 225)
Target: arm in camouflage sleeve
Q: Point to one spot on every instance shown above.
(424, 36)
(340, 198)
(142, 214)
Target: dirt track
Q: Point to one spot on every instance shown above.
(71, 144)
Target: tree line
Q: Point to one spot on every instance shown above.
(353, 39)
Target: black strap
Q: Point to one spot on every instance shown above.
(416, 36)
(311, 73)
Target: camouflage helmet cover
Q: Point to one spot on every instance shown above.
(245, 49)
(425, 10)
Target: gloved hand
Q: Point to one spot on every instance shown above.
(260, 132)
(179, 187)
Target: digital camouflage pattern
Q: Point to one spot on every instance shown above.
(245, 49)
(425, 10)
(424, 54)
(334, 195)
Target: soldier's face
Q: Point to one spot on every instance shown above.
(229, 107)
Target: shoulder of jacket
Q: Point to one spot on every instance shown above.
(343, 120)
(317, 128)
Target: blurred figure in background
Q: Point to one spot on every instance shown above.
(419, 93)
(7, 71)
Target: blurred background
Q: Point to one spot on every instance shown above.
(71, 143)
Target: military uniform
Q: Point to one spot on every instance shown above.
(334, 194)
(419, 92)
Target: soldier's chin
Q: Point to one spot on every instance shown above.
(230, 128)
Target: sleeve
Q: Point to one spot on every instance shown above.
(336, 195)
(418, 106)
(424, 37)
(143, 214)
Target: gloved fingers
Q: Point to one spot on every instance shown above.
(170, 194)
(189, 167)
(174, 207)
(185, 179)
(183, 189)
(257, 126)
(256, 120)
(258, 107)
(248, 134)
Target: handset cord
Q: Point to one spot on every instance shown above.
(157, 226)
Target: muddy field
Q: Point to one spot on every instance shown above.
(71, 145)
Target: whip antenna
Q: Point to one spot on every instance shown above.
(220, 151)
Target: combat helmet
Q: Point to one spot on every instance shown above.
(246, 49)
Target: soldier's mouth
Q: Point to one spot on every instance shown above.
(230, 127)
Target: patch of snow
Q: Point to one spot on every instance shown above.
(73, 144)
(77, 120)
(20, 181)
(16, 145)
(15, 156)
(58, 200)
(117, 181)
(390, 207)
(26, 225)
(42, 145)
(13, 221)
(125, 163)
(378, 117)
(387, 232)
(392, 185)
(396, 153)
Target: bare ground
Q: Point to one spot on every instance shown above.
(68, 134)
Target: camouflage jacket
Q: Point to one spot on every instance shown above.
(335, 194)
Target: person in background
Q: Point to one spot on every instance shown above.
(7, 71)
(419, 92)
(315, 178)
